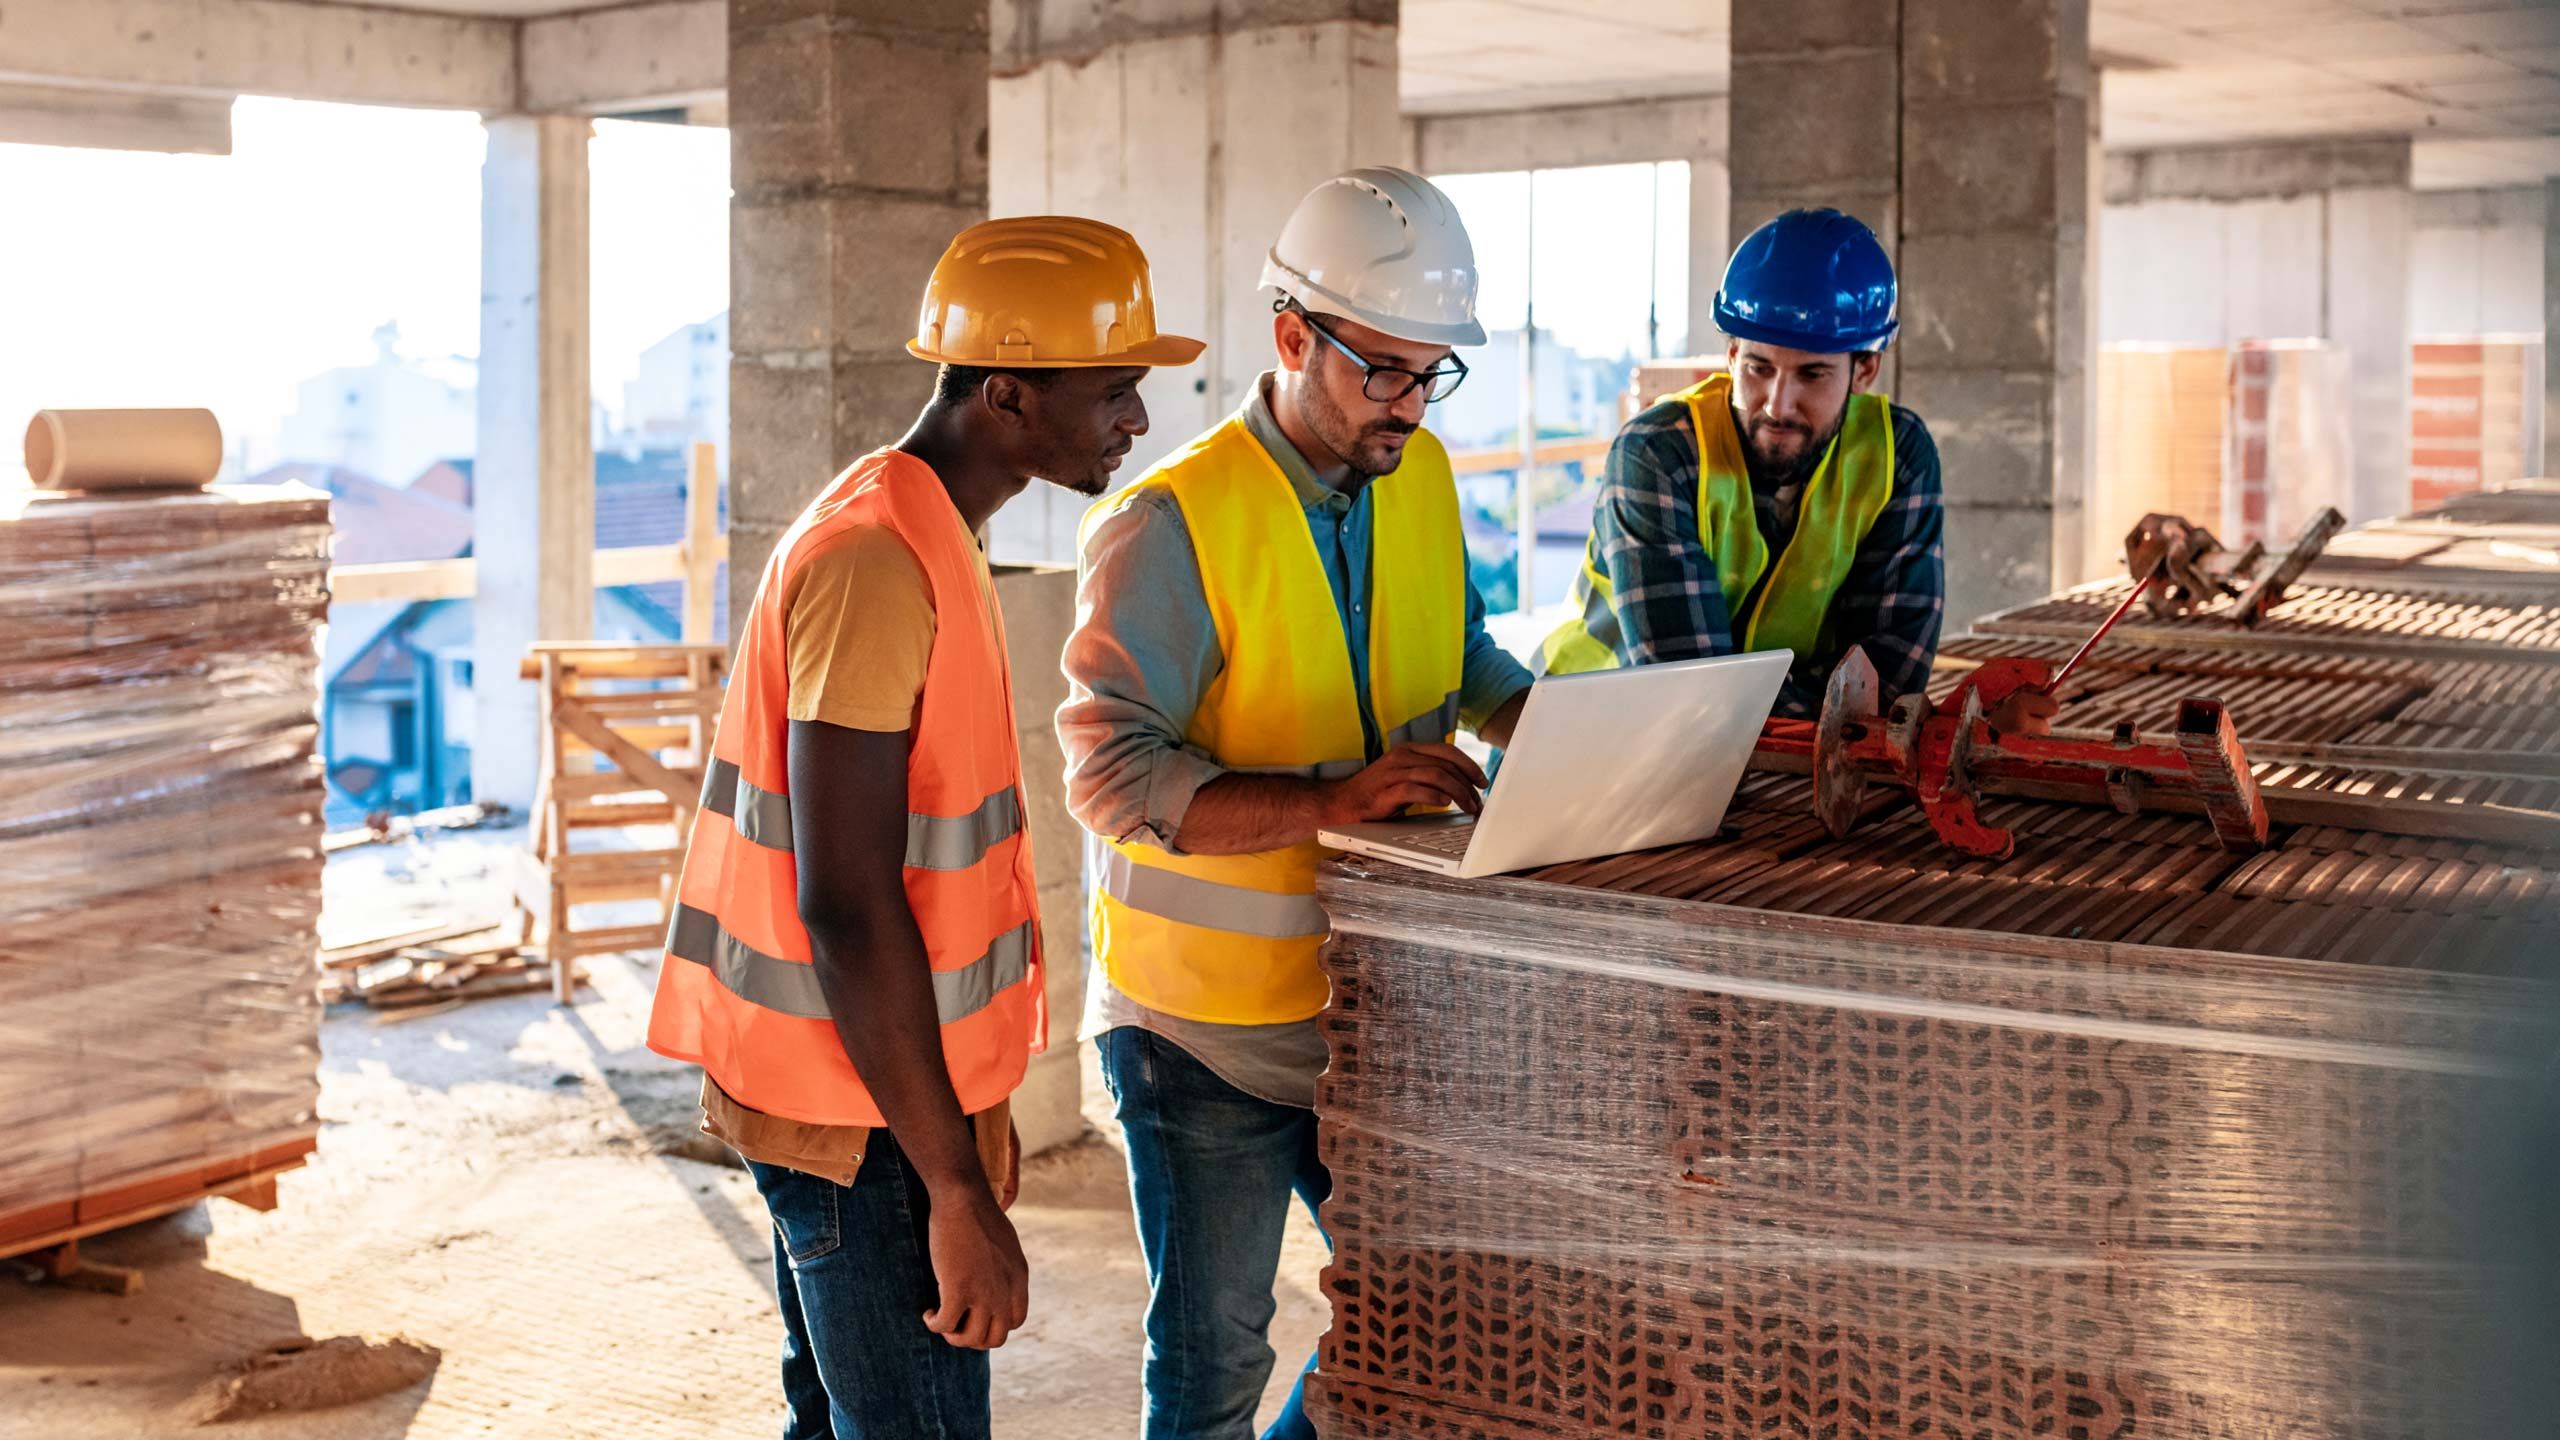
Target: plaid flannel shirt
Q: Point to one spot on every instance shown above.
(1669, 605)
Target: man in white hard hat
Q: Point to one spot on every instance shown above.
(1275, 631)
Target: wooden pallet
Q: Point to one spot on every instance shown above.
(629, 728)
(250, 1180)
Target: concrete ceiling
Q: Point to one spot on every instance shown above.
(493, 9)
(2477, 82)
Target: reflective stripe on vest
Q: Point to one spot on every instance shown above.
(1838, 507)
(1188, 900)
(791, 987)
(934, 842)
(1232, 939)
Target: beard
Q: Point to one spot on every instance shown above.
(1371, 450)
(1784, 469)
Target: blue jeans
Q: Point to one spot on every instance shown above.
(1211, 1169)
(854, 1277)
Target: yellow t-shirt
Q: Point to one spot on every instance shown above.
(858, 622)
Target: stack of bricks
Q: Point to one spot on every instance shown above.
(2123, 1134)
(2467, 406)
(160, 830)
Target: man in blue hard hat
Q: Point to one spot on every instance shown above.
(1780, 504)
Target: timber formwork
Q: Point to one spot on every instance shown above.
(2123, 1134)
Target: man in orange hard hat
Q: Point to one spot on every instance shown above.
(856, 959)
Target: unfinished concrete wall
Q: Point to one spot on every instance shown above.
(857, 149)
(1196, 127)
(2218, 245)
(1961, 134)
(2476, 262)
(2551, 330)
(1690, 128)
(533, 510)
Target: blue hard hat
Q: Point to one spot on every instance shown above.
(1809, 280)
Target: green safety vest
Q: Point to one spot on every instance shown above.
(1848, 491)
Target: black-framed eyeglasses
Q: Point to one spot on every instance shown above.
(1387, 384)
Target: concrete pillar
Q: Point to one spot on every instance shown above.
(533, 508)
(2551, 331)
(1196, 128)
(1817, 118)
(1711, 243)
(857, 149)
(1961, 134)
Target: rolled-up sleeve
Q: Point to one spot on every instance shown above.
(1143, 652)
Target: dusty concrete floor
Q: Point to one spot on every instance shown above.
(492, 1181)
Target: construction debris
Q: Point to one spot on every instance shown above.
(429, 967)
(305, 1374)
(381, 828)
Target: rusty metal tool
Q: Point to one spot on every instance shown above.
(2267, 589)
(1945, 755)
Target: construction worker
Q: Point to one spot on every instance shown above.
(856, 960)
(1780, 504)
(1275, 631)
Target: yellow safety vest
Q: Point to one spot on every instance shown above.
(1232, 938)
(1848, 491)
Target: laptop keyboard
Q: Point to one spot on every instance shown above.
(1450, 840)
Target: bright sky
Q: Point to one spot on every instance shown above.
(144, 279)
(1595, 249)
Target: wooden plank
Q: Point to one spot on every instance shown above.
(572, 716)
(611, 941)
(704, 546)
(113, 1217)
(647, 737)
(383, 947)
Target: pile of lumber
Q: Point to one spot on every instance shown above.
(160, 830)
(438, 966)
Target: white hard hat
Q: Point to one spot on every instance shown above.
(1383, 247)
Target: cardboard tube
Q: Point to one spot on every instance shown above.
(123, 449)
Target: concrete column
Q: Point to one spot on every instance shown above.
(857, 144)
(2551, 331)
(1961, 134)
(533, 525)
(1195, 127)
(1711, 243)
(1817, 118)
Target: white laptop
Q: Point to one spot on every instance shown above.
(1600, 764)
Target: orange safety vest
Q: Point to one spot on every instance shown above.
(737, 994)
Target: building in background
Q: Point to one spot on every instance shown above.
(393, 417)
(396, 711)
(681, 393)
(1577, 393)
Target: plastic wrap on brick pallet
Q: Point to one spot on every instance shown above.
(160, 828)
(1614, 1164)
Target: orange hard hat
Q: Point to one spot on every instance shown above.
(1040, 292)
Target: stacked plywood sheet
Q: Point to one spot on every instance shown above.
(2122, 1135)
(160, 835)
